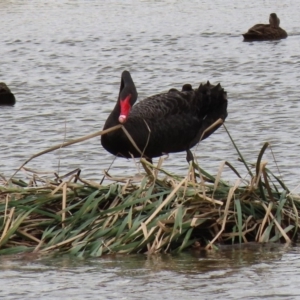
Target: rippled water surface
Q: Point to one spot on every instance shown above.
(263, 272)
(63, 61)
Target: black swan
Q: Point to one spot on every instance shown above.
(263, 32)
(6, 96)
(168, 122)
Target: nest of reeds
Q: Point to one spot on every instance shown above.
(157, 212)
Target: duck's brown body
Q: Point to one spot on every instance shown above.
(165, 123)
(263, 32)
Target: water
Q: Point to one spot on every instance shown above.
(63, 61)
(251, 272)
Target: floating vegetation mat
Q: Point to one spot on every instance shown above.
(157, 212)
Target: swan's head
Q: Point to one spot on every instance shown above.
(127, 96)
(125, 107)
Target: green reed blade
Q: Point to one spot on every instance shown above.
(238, 208)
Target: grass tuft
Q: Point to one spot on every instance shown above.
(162, 212)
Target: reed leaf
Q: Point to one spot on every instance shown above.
(14, 226)
(239, 218)
(238, 151)
(186, 241)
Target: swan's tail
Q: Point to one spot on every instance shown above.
(213, 106)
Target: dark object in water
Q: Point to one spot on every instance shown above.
(264, 32)
(6, 96)
(164, 123)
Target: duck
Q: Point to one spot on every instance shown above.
(6, 96)
(263, 32)
(164, 123)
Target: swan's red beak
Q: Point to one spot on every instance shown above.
(122, 119)
(125, 109)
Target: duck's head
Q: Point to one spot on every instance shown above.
(274, 20)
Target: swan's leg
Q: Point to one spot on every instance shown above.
(189, 156)
(149, 159)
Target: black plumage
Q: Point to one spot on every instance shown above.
(164, 123)
(6, 96)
